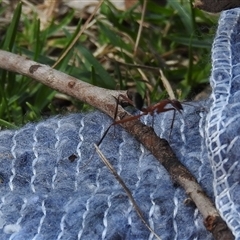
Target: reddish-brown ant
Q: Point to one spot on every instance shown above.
(136, 100)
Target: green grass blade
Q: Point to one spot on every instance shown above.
(106, 79)
(38, 43)
(12, 29)
(197, 43)
(113, 38)
(6, 124)
(183, 14)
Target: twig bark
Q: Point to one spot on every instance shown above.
(103, 100)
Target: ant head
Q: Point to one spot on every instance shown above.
(176, 104)
(136, 99)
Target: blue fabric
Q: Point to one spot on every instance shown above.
(48, 191)
(223, 127)
(46, 196)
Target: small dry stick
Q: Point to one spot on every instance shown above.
(167, 85)
(126, 189)
(140, 27)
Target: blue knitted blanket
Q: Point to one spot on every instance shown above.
(48, 192)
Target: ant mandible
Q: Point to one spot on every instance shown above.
(136, 100)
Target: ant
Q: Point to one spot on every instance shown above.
(136, 100)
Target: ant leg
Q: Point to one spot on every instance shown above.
(104, 135)
(118, 102)
(119, 122)
(137, 100)
(133, 98)
(174, 115)
(129, 101)
(152, 120)
(171, 128)
(115, 116)
(126, 99)
(166, 110)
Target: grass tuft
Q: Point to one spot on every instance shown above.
(175, 38)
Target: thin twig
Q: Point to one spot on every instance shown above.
(135, 65)
(140, 27)
(104, 100)
(167, 85)
(126, 189)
